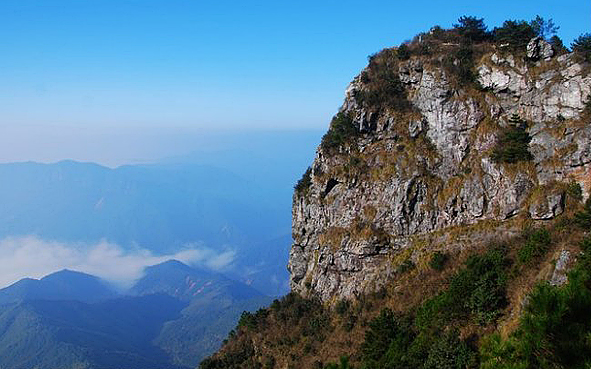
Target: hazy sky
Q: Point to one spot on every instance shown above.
(119, 81)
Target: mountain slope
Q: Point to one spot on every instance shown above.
(214, 306)
(64, 334)
(63, 285)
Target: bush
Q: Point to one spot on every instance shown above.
(438, 261)
(449, 352)
(536, 245)
(343, 364)
(386, 340)
(460, 63)
(403, 52)
(305, 182)
(382, 86)
(583, 218)
(342, 307)
(555, 329)
(582, 45)
(477, 291)
(406, 266)
(341, 131)
(575, 191)
(514, 34)
(512, 143)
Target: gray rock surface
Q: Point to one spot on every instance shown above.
(559, 276)
(405, 177)
(538, 48)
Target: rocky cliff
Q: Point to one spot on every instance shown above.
(411, 156)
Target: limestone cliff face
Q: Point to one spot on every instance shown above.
(428, 168)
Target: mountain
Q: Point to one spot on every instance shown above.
(214, 305)
(188, 283)
(171, 318)
(438, 224)
(63, 285)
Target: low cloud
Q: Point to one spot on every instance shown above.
(32, 257)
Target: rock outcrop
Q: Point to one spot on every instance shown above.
(408, 173)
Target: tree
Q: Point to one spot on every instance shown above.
(582, 43)
(515, 34)
(558, 45)
(544, 28)
(472, 28)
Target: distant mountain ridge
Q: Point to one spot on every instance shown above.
(62, 285)
(171, 318)
(158, 207)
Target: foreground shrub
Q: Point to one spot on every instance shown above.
(512, 143)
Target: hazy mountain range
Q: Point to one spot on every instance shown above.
(231, 206)
(172, 317)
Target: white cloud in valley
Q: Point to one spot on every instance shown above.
(32, 257)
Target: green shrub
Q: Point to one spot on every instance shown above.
(403, 52)
(386, 340)
(438, 261)
(383, 88)
(460, 64)
(477, 291)
(583, 218)
(407, 265)
(449, 352)
(343, 364)
(582, 45)
(514, 34)
(341, 131)
(555, 329)
(512, 143)
(575, 191)
(305, 182)
(342, 307)
(536, 245)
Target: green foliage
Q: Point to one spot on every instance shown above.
(575, 191)
(536, 245)
(460, 63)
(558, 45)
(472, 28)
(243, 354)
(438, 261)
(477, 291)
(403, 52)
(514, 34)
(512, 143)
(387, 339)
(582, 44)
(341, 131)
(383, 88)
(304, 182)
(407, 265)
(449, 352)
(544, 28)
(555, 329)
(342, 307)
(253, 321)
(583, 217)
(343, 364)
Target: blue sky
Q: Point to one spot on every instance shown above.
(76, 71)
